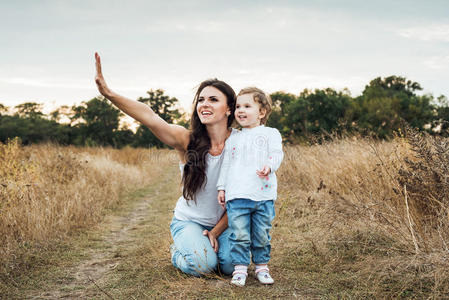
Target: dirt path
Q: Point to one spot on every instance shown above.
(85, 279)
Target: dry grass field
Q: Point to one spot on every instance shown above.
(356, 218)
(49, 192)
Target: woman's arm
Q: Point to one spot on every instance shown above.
(216, 231)
(221, 225)
(172, 135)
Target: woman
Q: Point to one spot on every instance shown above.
(198, 228)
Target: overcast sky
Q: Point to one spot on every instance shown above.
(47, 47)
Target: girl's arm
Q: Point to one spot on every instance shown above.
(275, 153)
(172, 135)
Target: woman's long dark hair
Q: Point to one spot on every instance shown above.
(194, 175)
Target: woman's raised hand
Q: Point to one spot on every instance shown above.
(99, 79)
(172, 135)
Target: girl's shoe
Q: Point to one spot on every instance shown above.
(239, 278)
(263, 276)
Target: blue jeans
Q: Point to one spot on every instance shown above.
(192, 252)
(250, 224)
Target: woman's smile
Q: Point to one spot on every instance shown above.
(206, 113)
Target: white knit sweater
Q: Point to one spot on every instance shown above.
(245, 153)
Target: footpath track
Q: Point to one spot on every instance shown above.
(117, 235)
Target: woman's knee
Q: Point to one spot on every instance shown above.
(201, 264)
(196, 263)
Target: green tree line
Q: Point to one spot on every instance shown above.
(380, 111)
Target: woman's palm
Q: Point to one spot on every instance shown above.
(99, 79)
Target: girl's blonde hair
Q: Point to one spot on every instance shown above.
(260, 97)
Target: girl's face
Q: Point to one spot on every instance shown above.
(212, 106)
(247, 111)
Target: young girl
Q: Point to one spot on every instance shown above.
(247, 185)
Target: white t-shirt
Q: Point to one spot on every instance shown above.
(206, 211)
(245, 153)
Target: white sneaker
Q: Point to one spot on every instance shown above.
(264, 277)
(239, 278)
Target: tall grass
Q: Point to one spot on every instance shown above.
(48, 191)
(356, 217)
(376, 209)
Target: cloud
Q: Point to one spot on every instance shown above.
(435, 32)
(41, 83)
(437, 62)
(187, 26)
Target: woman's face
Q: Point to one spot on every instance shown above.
(212, 106)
